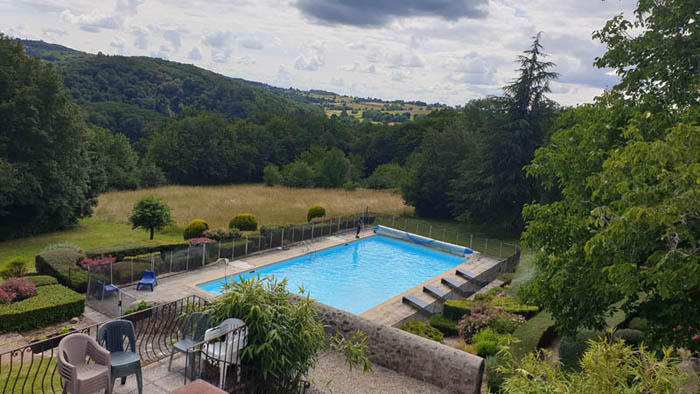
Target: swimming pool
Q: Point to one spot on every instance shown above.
(358, 275)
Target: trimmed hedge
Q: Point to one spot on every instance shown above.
(63, 265)
(52, 304)
(422, 329)
(41, 280)
(195, 229)
(455, 309)
(244, 222)
(121, 251)
(445, 325)
(315, 211)
(533, 334)
(510, 304)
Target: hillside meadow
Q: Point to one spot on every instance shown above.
(216, 204)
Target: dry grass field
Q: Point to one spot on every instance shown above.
(271, 205)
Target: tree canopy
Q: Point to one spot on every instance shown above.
(48, 179)
(150, 213)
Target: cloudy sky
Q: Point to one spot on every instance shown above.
(446, 51)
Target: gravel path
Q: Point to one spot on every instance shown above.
(331, 366)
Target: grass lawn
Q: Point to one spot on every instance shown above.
(40, 377)
(216, 204)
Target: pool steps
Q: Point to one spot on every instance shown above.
(465, 274)
(434, 291)
(419, 303)
(451, 282)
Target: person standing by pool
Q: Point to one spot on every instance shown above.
(358, 224)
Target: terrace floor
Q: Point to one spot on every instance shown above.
(331, 370)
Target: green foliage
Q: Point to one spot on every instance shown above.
(150, 175)
(456, 309)
(244, 222)
(512, 305)
(629, 336)
(605, 368)
(532, 334)
(572, 347)
(386, 176)
(284, 336)
(14, 269)
(42, 280)
(445, 325)
(199, 147)
(351, 185)
(47, 180)
(333, 169)
(298, 174)
(150, 213)
(195, 229)
(638, 323)
(221, 234)
(315, 211)
(63, 265)
(141, 305)
(488, 342)
(494, 377)
(116, 158)
(634, 47)
(52, 304)
(422, 329)
(271, 175)
(60, 245)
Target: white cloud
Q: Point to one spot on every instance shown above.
(194, 54)
(251, 43)
(92, 22)
(312, 57)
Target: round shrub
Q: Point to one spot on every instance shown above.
(629, 335)
(19, 288)
(422, 329)
(195, 229)
(315, 211)
(488, 342)
(244, 222)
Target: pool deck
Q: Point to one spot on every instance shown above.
(389, 312)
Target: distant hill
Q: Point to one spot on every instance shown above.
(124, 93)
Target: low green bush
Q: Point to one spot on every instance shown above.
(315, 211)
(494, 377)
(445, 325)
(351, 185)
(15, 269)
(533, 334)
(488, 342)
(135, 249)
(42, 280)
(638, 323)
(629, 335)
(141, 305)
(572, 347)
(456, 309)
(52, 304)
(488, 295)
(422, 329)
(62, 265)
(195, 229)
(244, 222)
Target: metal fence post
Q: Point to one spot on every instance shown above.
(204, 254)
(131, 265)
(313, 227)
(259, 244)
(393, 219)
(218, 243)
(187, 262)
(430, 231)
(293, 227)
(172, 253)
(500, 250)
(246, 245)
(233, 248)
(471, 239)
(282, 239)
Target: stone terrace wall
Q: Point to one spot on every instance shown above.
(408, 354)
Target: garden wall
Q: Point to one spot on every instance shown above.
(408, 354)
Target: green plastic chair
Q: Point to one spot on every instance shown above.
(122, 362)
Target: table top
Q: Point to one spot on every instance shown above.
(198, 387)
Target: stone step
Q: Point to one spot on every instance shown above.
(465, 273)
(434, 291)
(451, 282)
(415, 302)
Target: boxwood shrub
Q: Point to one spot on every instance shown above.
(422, 329)
(315, 211)
(42, 280)
(510, 304)
(445, 325)
(62, 264)
(195, 229)
(629, 335)
(52, 304)
(244, 222)
(534, 333)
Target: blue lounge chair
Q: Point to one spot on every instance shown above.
(148, 279)
(104, 288)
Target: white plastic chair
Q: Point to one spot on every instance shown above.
(225, 352)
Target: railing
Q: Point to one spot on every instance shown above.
(32, 368)
(486, 246)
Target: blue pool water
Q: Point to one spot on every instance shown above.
(356, 276)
